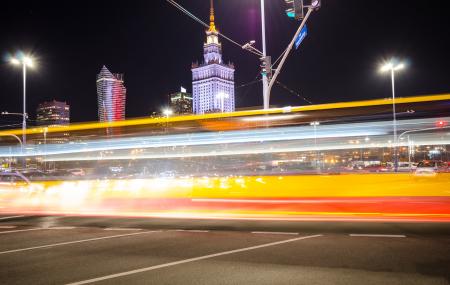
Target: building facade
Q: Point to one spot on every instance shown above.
(212, 81)
(111, 94)
(53, 113)
(181, 102)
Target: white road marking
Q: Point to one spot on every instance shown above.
(61, 228)
(377, 235)
(27, 230)
(192, 231)
(8, 227)
(122, 229)
(74, 242)
(11, 217)
(274, 233)
(126, 273)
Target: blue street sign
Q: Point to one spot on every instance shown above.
(301, 36)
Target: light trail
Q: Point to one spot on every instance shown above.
(377, 197)
(281, 134)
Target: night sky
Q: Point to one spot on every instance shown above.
(154, 44)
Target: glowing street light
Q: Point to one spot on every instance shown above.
(25, 61)
(392, 66)
(167, 112)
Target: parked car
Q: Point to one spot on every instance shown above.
(34, 174)
(431, 166)
(13, 177)
(76, 171)
(13, 182)
(406, 166)
(377, 167)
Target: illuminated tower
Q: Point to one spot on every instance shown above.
(212, 81)
(111, 96)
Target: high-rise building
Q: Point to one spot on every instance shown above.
(181, 102)
(111, 94)
(212, 81)
(53, 113)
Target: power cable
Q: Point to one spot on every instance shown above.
(195, 18)
(249, 83)
(293, 92)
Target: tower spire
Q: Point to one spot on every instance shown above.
(212, 25)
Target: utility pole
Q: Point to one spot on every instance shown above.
(265, 80)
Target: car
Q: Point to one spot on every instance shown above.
(12, 183)
(431, 167)
(13, 177)
(59, 173)
(383, 167)
(406, 166)
(34, 174)
(167, 174)
(76, 171)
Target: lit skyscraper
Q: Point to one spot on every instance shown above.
(213, 81)
(111, 94)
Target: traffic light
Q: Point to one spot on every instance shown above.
(266, 66)
(296, 8)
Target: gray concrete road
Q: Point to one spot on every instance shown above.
(75, 250)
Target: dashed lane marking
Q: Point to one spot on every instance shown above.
(274, 233)
(61, 228)
(122, 229)
(192, 231)
(377, 235)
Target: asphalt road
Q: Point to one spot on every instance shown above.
(76, 250)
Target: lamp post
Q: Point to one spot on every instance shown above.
(20, 142)
(315, 124)
(24, 61)
(25, 116)
(264, 54)
(393, 66)
(167, 113)
(45, 130)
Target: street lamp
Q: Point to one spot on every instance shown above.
(262, 54)
(45, 130)
(392, 66)
(315, 124)
(25, 61)
(167, 112)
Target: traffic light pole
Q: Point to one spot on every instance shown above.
(286, 54)
(264, 52)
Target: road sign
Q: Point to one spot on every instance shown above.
(301, 37)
